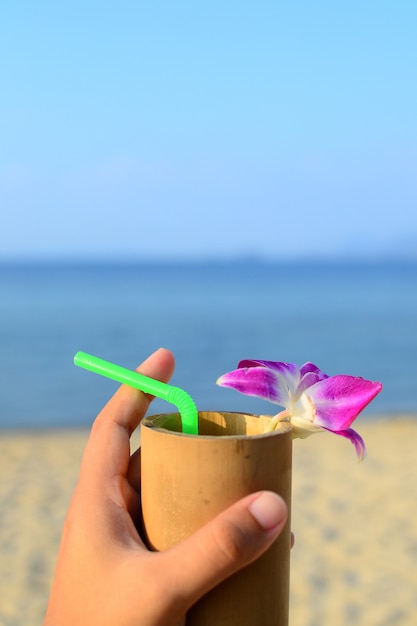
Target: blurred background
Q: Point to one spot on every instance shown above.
(229, 180)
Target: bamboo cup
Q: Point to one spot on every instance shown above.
(187, 480)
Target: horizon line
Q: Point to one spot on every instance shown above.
(205, 260)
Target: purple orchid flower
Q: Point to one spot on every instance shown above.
(313, 400)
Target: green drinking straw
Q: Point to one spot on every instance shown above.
(174, 395)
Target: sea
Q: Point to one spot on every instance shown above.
(357, 318)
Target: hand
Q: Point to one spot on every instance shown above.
(105, 575)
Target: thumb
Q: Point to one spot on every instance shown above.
(229, 542)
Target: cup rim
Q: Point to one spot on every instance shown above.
(148, 422)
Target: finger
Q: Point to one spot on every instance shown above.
(132, 488)
(128, 405)
(231, 541)
(108, 447)
(134, 470)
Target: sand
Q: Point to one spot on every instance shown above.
(355, 558)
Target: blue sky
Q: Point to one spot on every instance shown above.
(208, 129)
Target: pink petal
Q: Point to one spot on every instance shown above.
(310, 368)
(337, 400)
(289, 370)
(308, 380)
(310, 374)
(355, 438)
(261, 382)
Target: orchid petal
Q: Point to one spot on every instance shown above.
(337, 400)
(308, 380)
(309, 375)
(288, 373)
(261, 382)
(286, 369)
(355, 438)
(310, 368)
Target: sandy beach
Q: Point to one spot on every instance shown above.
(355, 558)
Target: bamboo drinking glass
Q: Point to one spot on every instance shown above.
(187, 480)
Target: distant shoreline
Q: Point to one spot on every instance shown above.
(313, 262)
(39, 431)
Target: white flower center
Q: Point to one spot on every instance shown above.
(302, 408)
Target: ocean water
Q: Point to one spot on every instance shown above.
(351, 318)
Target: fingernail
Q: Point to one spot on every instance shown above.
(269, 510)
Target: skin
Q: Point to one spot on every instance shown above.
(105, 574)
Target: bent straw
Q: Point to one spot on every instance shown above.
(174, 395)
